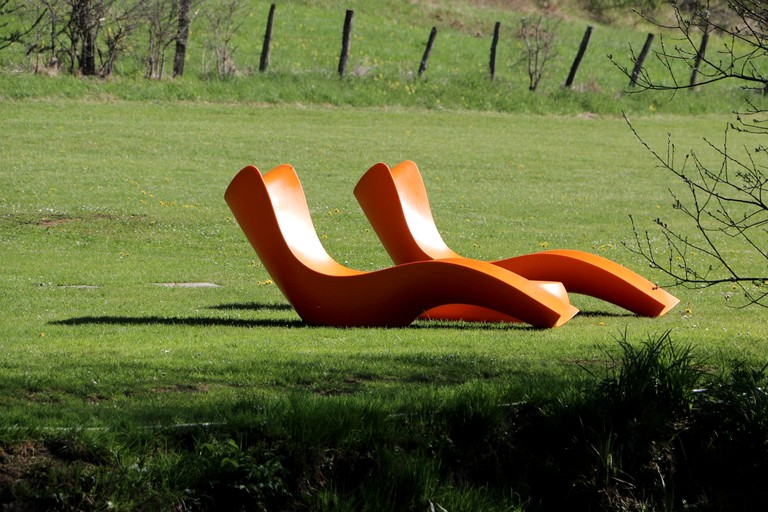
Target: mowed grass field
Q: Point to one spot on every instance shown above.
(101, 203)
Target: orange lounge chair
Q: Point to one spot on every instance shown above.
(272, 212)
(396, 204)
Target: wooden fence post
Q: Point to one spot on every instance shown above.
(264, 62)
(345, 41)
(699, 57)
(579, 56)
(427, 51)
(640, 60)
(494, 43)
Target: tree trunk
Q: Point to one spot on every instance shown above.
(182, 37)
(83, 30)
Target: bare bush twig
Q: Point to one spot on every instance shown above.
(538, 35)
(727, 205)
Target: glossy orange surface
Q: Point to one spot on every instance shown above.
(396, 204)
(272, 212)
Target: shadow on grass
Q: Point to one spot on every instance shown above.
(207, 321)
(266, 322)
(607, 314)
(191, 321)
(252, 306)
(294, 323)
(255, 306)
(291, 323)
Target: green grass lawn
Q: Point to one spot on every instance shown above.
(102, 202)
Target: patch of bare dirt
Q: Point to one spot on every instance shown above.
(46, 223)
(182, 388)
(18, 463)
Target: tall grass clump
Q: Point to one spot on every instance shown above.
(663, 430)
(649, 383)
(627, 422)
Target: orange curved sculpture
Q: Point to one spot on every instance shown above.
(272, 212)
(396, 204)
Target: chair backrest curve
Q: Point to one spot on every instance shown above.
(396, 204)
(273, 213)
(418, 212)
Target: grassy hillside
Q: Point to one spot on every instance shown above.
(388, 41)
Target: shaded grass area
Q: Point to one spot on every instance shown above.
(640, 435)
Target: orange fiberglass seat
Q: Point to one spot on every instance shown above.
(272, 212)
(396, 204)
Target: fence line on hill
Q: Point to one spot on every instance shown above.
(538, 36)
(347, 34)
(582, 49)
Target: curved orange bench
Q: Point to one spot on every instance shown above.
(396, 204)
(272, 212)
